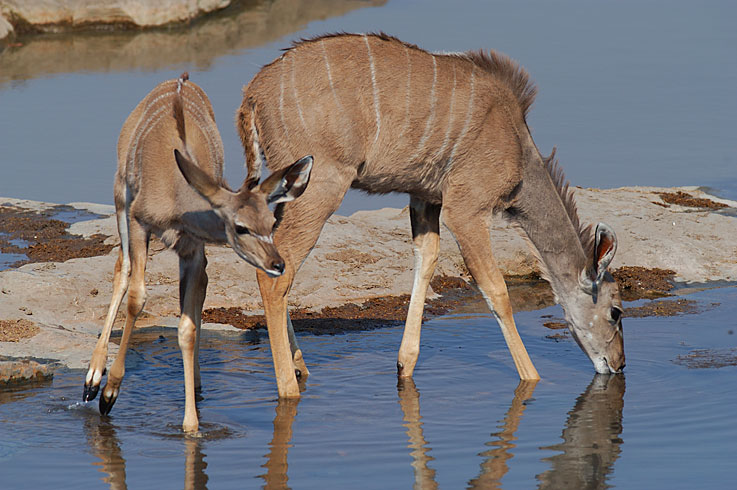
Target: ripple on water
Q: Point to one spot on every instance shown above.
(462, 417)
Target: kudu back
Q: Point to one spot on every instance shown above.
(450, 130)
(170, 182)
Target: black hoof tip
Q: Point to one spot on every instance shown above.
(90, 392)
(400, 367)
(298, 373)
(106, 405)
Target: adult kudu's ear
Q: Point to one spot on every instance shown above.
(198, 179)
(288, 184)
(605, 246)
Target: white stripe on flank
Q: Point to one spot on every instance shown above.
(296, 99)
(206, 125)
(450, 116)
(281, 100)
(407, 96)
(375, 87)
(431, 118)
(330, 74)
(257, 151)
(469, 113)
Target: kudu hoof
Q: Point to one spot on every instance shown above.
(106, 404)
(90, 392)
(400, 368)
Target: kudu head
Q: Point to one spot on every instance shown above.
(248, 220)
(594, 309)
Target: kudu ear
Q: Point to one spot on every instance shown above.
(198, 179)
(288, 184)
(605, 246)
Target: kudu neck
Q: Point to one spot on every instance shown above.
(541, 212)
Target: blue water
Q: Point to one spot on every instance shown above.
(665, 424)
(631, 92)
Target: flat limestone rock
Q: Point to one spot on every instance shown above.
(19, 371)
(52, 14)
(363, 256)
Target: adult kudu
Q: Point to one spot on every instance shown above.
(170, 182)
(450, 130)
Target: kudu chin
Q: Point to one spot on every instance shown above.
(170, 182)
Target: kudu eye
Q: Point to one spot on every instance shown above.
(242, 230)
(616, 314)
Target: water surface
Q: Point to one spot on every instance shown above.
(633, 93)
(467, 422)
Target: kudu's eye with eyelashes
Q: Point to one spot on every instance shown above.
(242, 230)
(616, 314)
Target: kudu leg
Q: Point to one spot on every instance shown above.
(136, 299)
(120, 286)
(300, 368)
(425, 219)
(199, 300)
(300, 226)
(192, 287)
(472, 234)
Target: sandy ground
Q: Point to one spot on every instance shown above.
(358, 258)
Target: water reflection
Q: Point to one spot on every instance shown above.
(104, 443)
(409, 400)
(591, 438)
(590, 447)
(252, 23)
(194, 465)
(494, 466)
(276, 460)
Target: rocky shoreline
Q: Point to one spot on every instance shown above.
(22, 16)
(357, 276)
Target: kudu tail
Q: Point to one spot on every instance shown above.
(178, 110)
(246, 124)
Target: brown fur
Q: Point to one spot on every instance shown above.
(450, 130)
(170, 182)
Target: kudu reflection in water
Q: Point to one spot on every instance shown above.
(104, 443)
(276, 461)
(590, 448)
(103, 440)
(591, 438)
(494, 466)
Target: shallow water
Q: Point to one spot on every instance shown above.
(468, 422)
(633, 93)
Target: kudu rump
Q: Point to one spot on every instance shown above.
(384, 116)
(170, 182)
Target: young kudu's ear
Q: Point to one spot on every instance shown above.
(605, 245)
(197, 178)
(288, 184)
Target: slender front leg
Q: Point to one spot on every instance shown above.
(274, 295)
(192, 283)
(425, 219)
(472, 234)
(136, 299)
(298, 231)
(120, 286)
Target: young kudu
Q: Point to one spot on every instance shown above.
(384, 116)
(170, 182)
